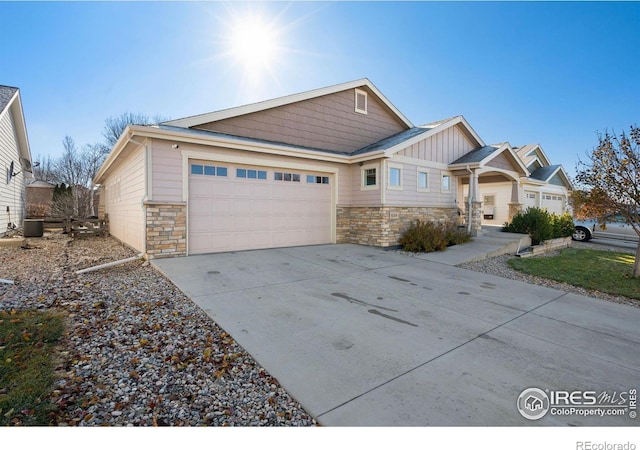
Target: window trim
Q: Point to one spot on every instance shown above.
(420, 170)
(399, 168)
(363, 177)
(366, 101)
(444, 174)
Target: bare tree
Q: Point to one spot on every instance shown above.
(45, 170)
(114, 126)
(610, 180)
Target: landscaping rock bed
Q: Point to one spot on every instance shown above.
(137, 351)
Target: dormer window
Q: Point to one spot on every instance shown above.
(361, 101)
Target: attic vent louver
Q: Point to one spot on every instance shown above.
(361, 101)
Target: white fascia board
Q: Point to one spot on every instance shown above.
(567, 178)
(200, 119)
(531, 181)
(115, 152)
(15, 108)
(476, 136)
(563, 174)
(506, 146)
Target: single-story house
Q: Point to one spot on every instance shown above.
(541, 185)
(15, 159)
(332, 165)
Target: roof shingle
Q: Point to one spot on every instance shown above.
(6, 94)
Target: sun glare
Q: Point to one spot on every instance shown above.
(253, 43)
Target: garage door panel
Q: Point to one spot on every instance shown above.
(234, 213)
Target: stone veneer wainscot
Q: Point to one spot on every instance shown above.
(166, 229)
(382, 226)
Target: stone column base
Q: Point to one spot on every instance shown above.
(514, 208)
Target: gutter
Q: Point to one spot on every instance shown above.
(469, 200)
(147, 179)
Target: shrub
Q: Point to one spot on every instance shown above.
(540, 225)
(563, 225)
(429, 237)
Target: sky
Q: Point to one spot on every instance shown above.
(553, 73)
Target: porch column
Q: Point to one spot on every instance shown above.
(475, 212)
(515, 205)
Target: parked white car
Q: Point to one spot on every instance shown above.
(613, 226)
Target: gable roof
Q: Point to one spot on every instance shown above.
(531, 152)
(546, 173)
(6, 94)
(193, 121)
(10, 102)
(480, 157)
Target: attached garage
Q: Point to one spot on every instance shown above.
(240, 207)
(553, 203)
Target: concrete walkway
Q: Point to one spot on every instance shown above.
(364, 336)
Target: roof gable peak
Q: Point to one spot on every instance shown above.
(194, 121)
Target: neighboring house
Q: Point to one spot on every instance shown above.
(540, 185)
(332, 165)
(548, 186)
(15, 159)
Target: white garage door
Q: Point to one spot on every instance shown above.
(237, 207)
(553, 203)
(530, 200)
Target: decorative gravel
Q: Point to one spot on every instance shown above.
(498, 266)
(137, 351)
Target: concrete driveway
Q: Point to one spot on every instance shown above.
(363, 336)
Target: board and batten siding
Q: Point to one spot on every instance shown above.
(329, 122)
(444, 147)
(12, 195)
(167, 183)
(124, 190)
(409, 195)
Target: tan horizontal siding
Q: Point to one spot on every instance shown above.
(329, 122)
(124, 193)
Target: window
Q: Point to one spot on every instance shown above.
(395, 177)
(370, 177)
(251, 173)
(212, 171)
(423, 180)
(489, 200)
(317, 180)
(446, 182)
(283, 176)
(361, 101)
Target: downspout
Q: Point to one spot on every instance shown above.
(469, 200)
(146, 190)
